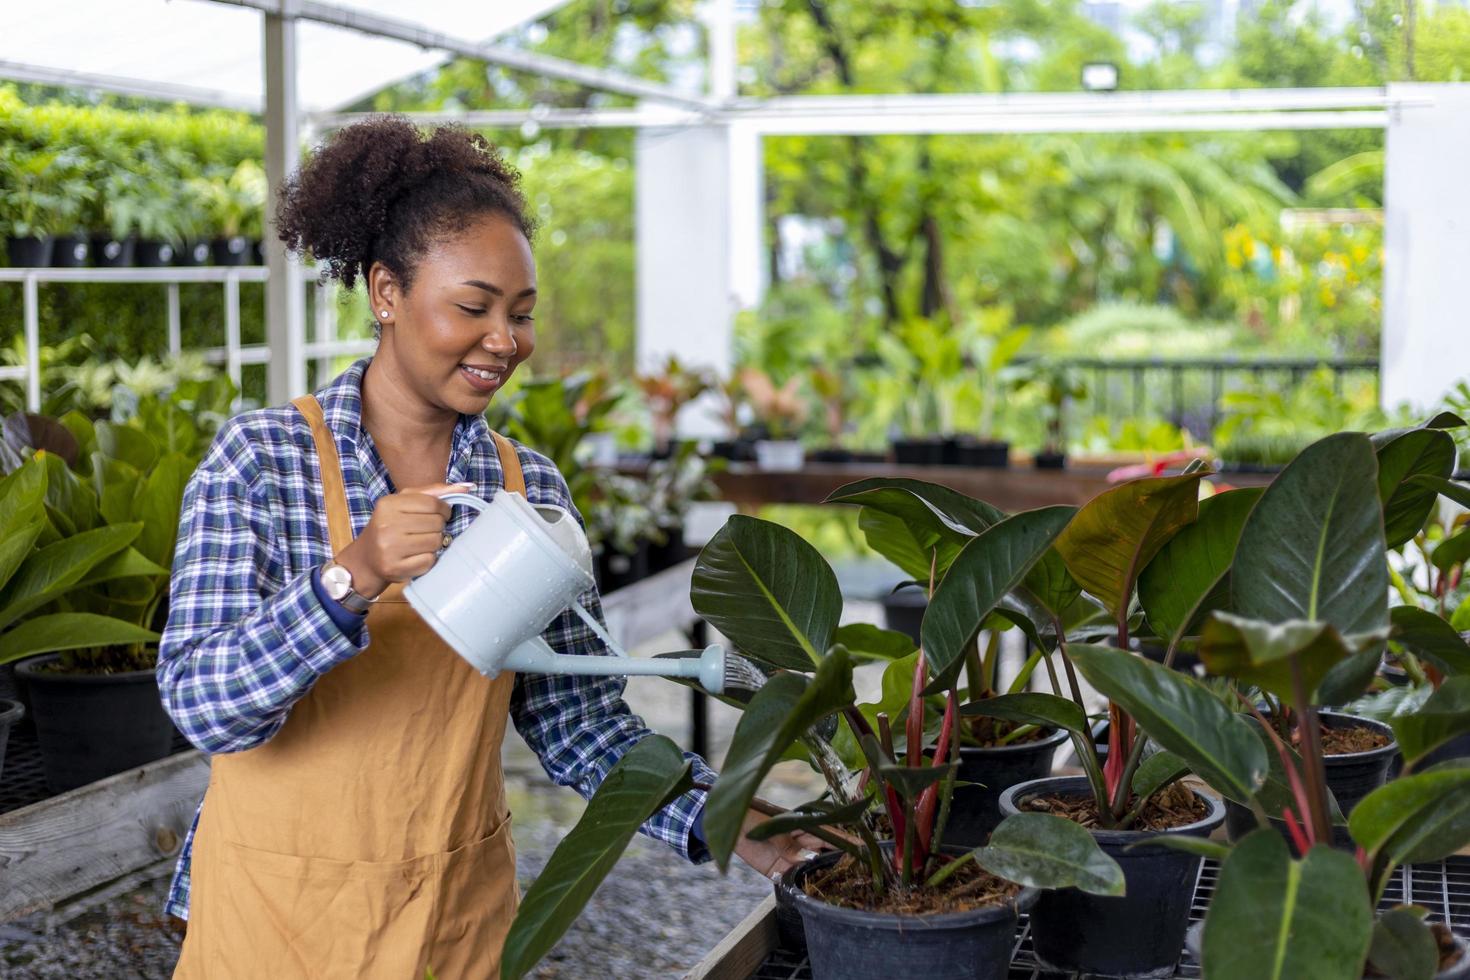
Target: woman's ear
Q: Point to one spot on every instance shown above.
(383, 292)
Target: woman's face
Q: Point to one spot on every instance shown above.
(466, 325)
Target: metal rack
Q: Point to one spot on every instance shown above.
(233, 354)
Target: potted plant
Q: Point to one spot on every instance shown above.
(734, 412)
(891, 893)
(666, 391)
(113, 218)
(830, 387)
(781, 412)
(236, 204)
(990, 345)
(31, 202)
(1059, 385)
(674, 484)
(919, 358)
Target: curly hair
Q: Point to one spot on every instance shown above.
(381, 191)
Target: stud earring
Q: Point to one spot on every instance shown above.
(383, 313)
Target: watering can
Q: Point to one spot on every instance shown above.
(502, 582)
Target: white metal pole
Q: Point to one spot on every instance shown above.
(232, 328)
(33, 344)
(175, 342)
(285, 304)
(326, 330)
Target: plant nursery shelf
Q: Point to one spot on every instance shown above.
(1011, 489)
(753, 952)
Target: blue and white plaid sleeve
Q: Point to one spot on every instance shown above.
(581, 726)
(243, 643)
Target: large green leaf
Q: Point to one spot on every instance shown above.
(1445, 715)
(1181, 715)
(67, 496)
(911, 781)
(1406, 504)
(988, 568)
(912, 549)
(1262, 654)
(1042, 850)
(21, 515)
(1453, 550)
(49, 572)
(868, 642)
(116, 484)
(648, 775)
(1046, 710)
(1176, 585)
(1403, 947)
(779, 713)
(128, 563)
(127, 444)
(1049, 587)
(1157, 771)
(1117, 533)
(1458, 492)
(1313, 547)
(768, 590)
(1273, 918)
(810, 819)
(16, 544)
(69, 631)
(1412, 819)
(907, 521)
(1426, 635)
(157, 507)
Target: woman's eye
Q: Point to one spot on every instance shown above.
(523, 318)
(471, 310)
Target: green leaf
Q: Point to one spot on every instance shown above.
(1273, 918)
(809, 820)
(116, 484)
(1444, 716)
(769, 591)
(908, 547)
(16, 545)
(1046, 710)
(1406, 504)
(128, 563)
(1181, 715)
(1313, 547)
(1049, 587)
(1117, 533)
(1412, 819)
(157, 507)
(127, 444)
(779, 713)
(910, 781)
(1402, 947)
(905, 521)
(648, 775)
(1426, 635)
(868, 642)
(68, 496)
(1156, 772)
(53, 570)
(1042, 850)
(1458, 492)
(1452, 551)
(1201, 846)
(1173, 589)
(1261, 654)
(984, 572)
(69, 631)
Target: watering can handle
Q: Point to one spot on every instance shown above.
(468, 499)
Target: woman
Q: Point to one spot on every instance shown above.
(355, 823)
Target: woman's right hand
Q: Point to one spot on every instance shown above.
(401, 539)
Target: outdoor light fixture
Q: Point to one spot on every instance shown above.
(1100, 76)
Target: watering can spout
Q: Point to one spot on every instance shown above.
(706, 666)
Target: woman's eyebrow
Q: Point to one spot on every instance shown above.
(496, 290)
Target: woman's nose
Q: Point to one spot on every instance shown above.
(499, 340)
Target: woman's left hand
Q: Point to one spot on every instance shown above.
(771, 857)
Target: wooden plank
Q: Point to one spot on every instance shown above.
(650, 607)
(743, 949)
(80, 840)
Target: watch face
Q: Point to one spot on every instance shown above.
(337, 580)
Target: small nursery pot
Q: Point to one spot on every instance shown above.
(113, 253)
(1051, 461)
(991, 453)
(10, 713)
(1137, 935)
(91, 726)
(1350, 777)
(918, 452)
(847, 944)
(903, 611)
(975, 810)
(153, 255)
(29, 252)
(70, 251)
(193, 253)
(231, 251)
(780, 455)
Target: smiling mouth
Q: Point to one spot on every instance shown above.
(485, 374)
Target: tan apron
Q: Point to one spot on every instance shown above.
(370, 836)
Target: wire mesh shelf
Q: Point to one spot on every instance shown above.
(1443, 888)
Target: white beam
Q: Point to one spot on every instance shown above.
(1425, 340)
(963, 122)
(285, 304)
(498, 54)
(141, 88)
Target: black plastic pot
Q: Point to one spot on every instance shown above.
(918, 452)
(615, 569)
(22, 693)
(1051, 461)
(153, 255)
(231, 251)
(113, 253)
(735, 450)
(10, 713)
(904, 611)
(790, 933)
(70, 251)
(975, 810)
(1350, 778)
(847, 944)
(671, 552)
(831, 454)
(91, 726)
(989, 452)
(1140, 934)
(193, 254)
(29, 253)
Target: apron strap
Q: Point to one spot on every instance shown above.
(334, 492)
(512, 478)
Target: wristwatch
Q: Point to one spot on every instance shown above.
(337, 580)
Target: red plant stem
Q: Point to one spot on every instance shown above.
(929, 799)
(1313, 770)
(915, 748)
(1120, 746)
(1298, 837)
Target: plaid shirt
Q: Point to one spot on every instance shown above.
(247, 635)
